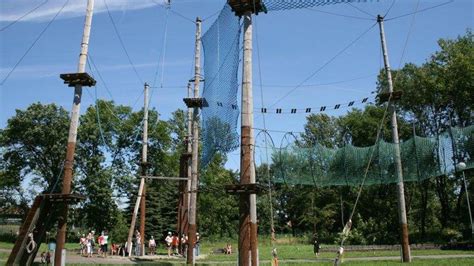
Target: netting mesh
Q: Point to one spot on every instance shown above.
(422, 158)
(221, 63)
(294, 4)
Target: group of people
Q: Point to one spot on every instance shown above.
(175, 245)
(88, 243)
(172, 242)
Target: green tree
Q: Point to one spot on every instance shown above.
(33, 144)
(218, 212)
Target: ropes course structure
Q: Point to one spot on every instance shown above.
(422, 158)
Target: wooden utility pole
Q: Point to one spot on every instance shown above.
(140, 202)
(248, 251)
(71, 144)
(144, 169)
(185, 171)
(195, 150)
(402, 215)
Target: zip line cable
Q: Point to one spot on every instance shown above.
(122, 43)
(168, 6)
(91, 62)
(339, 15)
(267, 172)
(388, 10)
(325, 64)
(24, 15)
(321, 84)
(162, 57)
(182, 16)
(408, 35)
(34, 42)
(361, 10)
(210, 16)
(419, 11)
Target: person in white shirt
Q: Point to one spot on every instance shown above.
(168, 241)
(152, 245)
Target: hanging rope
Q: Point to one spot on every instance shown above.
(31, 246)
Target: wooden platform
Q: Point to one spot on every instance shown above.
(254, 188)
(195, 102)
(239, 7)
(73, 79)
(396, 95)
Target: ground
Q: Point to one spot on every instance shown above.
(289, 254)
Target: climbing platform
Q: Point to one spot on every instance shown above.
(40, 219)
(73, 79)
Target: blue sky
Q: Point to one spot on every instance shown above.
(292, 45)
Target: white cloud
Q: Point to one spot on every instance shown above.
(10, 10)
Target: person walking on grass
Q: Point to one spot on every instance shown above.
(168, 241)
(83, 244)
(138, 243)
(152, 245)
(89, 242)
(316, 246)
(105, 242)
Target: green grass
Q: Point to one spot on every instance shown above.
(294, 254)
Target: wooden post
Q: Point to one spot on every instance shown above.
(141, 188)
(248, 250)
(71, 145)
(185, 171)
(402, 215)
(195, 150)
(144, 169)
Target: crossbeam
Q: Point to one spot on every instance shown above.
(165, 178)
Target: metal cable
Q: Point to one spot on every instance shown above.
(34, 42)
(21, 17)
(122, 43)
(419, 11)
(325, 64)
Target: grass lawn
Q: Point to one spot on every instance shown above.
(292, 254)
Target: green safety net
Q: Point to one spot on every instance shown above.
(421, 157)
(221, 43)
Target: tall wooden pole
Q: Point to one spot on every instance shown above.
(71, 144)
(185, 171)
(248, 250)
(141, 188)
(189, 145)
(144, 169)
(402, 214)
(195, 150)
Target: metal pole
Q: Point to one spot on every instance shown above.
(195, 150)
(144, 169)
(402, 215)
(248, 210)
(141, 189)
(71, 145)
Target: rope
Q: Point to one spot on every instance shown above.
(267, 172)
(122, 43)
(31, 246)
(34, 43)
(421, 10)
(325, 64)
(21, 17)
